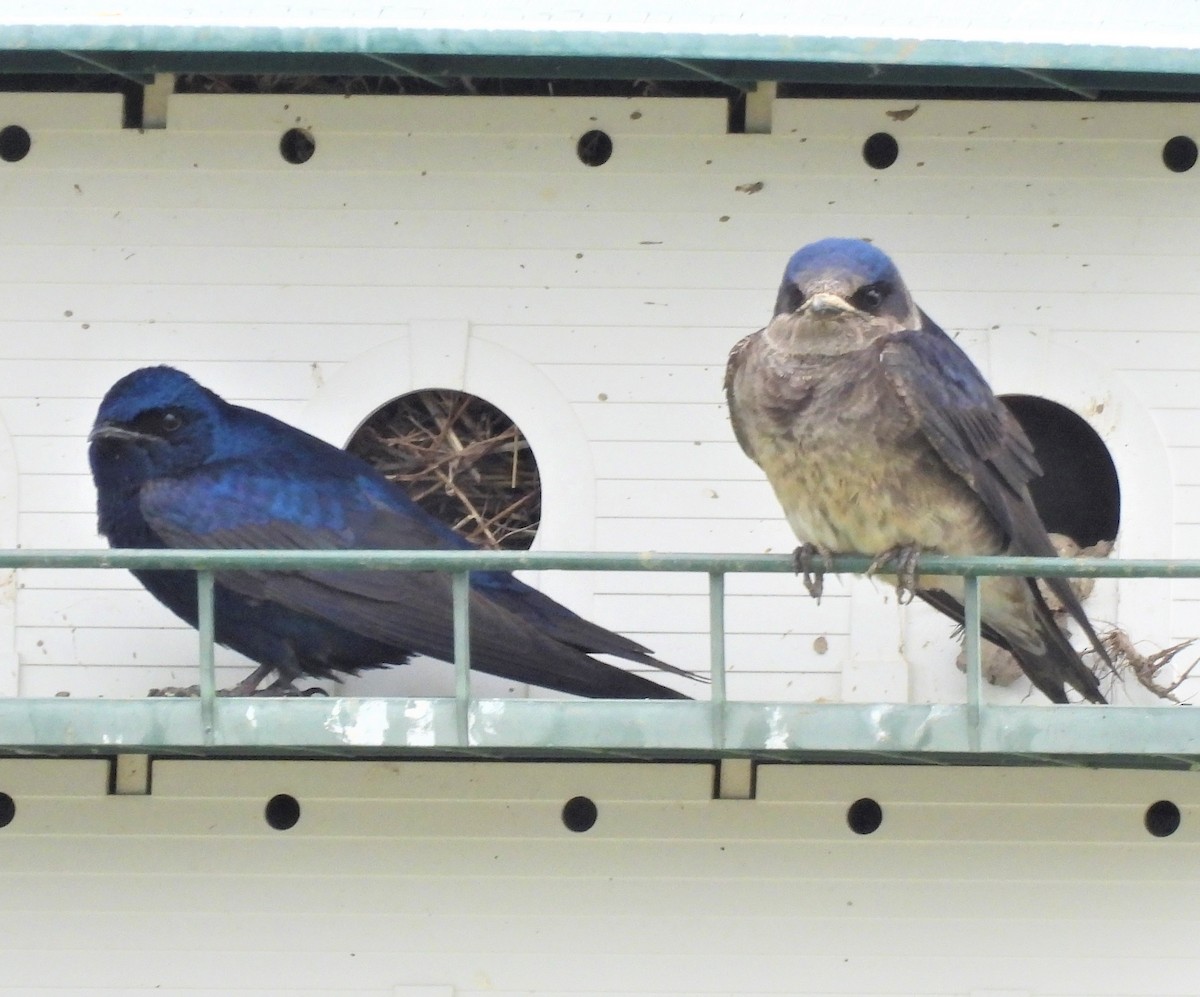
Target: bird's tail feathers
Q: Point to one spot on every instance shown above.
(1058, 661)
(557, 621)
(515, 648)
(1066, 595)
(1048, 668)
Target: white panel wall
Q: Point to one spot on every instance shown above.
(460, 242)
(454, 879)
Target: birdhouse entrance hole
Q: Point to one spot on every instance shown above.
(462, 460)
(1078, 493)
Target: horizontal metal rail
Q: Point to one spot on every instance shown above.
(487, 560)
(887, 731)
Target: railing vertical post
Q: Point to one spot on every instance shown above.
(206, 625)
(972, 644)
(460, 583)
(716, 643)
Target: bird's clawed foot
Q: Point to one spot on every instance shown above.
(811, 562)
(243, 688)
(280, 687)
(904, 557)
(285, 687)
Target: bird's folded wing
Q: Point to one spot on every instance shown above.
(410, 609)
(738, 357)
(971, 429)
(238, 507)
(979, 439)
(245, 511)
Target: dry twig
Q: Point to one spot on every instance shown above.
(1145, 667)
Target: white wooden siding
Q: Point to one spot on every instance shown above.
(1032, 231)
(457, 879)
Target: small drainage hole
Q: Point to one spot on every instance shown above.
(594, 148)
(1179, 154)
(14, 143)
(880, 151)
(864, 816)
(579, 814)
(297, 146)
(282, 812)
(1162, 818)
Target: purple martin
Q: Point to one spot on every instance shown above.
(880, 437)
(177, 466)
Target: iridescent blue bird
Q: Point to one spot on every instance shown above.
(177, 466)
(880, 437)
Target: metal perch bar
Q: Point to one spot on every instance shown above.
(517, 560)
(716, 642)
(1159, 737)
(461, 593)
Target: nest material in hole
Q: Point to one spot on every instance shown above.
(462, 460)
(1147, 668)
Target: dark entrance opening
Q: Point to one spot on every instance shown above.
(1078, 493)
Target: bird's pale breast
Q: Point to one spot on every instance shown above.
(848, 463)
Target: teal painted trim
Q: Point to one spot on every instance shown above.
(693, 47)
(973, 647)
(460, 588)
(205, 624)
(974, 733)
(489, 560)
(1155, 737)
(716, 651)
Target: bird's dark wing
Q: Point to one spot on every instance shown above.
(970, 428)
(240, 508)
(947, 605)
(555, 620)
(978, 438)
(737, 360)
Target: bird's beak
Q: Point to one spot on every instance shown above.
(825, 304)
(112, 431)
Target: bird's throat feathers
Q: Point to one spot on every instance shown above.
(802, 334)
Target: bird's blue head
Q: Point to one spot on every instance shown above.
(153, 422)
(844, 275)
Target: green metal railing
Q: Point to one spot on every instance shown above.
(974, 731)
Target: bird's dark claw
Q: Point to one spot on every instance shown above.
(813, 576)
(243, 688)
(280, 687)
(285, 687)
(905, 557)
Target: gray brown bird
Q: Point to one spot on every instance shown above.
(880, 437)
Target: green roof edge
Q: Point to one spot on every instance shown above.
(743, 48)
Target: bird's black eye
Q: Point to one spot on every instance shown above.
(790, 299)
(158, 422)
(870, 297)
